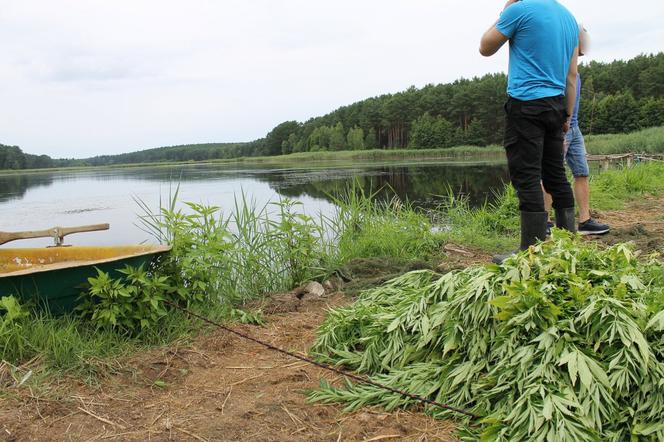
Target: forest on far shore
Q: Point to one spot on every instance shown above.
(616, 97)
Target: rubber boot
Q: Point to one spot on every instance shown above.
(533, 229)
(566, 219)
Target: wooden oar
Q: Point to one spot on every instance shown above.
(57, 233)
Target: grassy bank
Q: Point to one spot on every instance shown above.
(649, 140)
(69, 345)
(220, 261)
(223, 258)
(495, 226)
(383, 154)
(561, 342)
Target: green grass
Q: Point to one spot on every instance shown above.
(649, 140)
(491, 227)
(381, 154)
(71, 346)
(366, 228)
(613, 189)
(495, 226)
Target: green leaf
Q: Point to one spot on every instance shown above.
(598, 372)
(572, 367)
(12, 308)
(648, 429)
(154, 302)
(393, 325)
(656, 322)
(159, 383)
(502, 302)
(584, 372)
(547, 408)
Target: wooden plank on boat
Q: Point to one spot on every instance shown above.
(57, 233)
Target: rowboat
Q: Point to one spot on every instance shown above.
(54, 277)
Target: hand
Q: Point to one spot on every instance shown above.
(566, 125)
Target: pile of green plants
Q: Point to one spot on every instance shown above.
(562, 342)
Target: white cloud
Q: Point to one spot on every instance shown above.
(84, 78)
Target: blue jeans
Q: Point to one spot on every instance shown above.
(575, 152)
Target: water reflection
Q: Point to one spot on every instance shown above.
(417, 183)
(14, 186)
(41, 200)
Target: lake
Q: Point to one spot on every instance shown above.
(35, 201)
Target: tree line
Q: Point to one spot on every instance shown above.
(616, 97)
(12, 157)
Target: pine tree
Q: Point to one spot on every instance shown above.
(355, 139)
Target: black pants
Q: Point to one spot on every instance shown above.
(534, 148)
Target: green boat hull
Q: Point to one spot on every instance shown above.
(57, 286)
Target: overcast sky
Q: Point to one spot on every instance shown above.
(87, 77)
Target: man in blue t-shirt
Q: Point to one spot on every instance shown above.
(541, 91)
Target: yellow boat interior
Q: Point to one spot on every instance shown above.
(24, 261)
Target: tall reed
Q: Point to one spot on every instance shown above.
(649, 140)
(252, 250)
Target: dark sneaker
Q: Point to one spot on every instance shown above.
(549, 226)
(499, 259)
(592, 227)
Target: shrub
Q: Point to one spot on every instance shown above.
(131, 303)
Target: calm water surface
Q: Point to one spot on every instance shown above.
(38, 201)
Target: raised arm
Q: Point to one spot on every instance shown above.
(570, 90)
(492, 40)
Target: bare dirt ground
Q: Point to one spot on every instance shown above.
(222, 388)
(642, 223)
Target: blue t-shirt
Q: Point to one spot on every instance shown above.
(574, 122)
(543, 35)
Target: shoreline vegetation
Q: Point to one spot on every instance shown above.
(233, 253)
(645, 141)
(224, 259)
(453, 153)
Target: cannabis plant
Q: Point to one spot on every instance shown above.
(563, 341)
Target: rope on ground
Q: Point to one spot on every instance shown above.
(336, 370)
